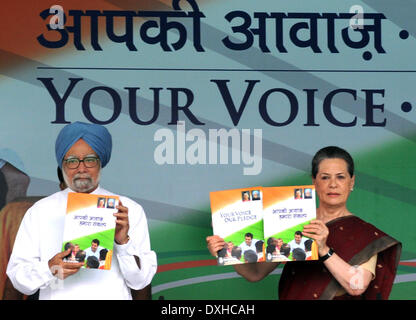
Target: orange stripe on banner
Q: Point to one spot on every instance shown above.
(409, 264)
(186, 264)
(21, 25)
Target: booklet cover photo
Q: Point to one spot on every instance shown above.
(89, 229)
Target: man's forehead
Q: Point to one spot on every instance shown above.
(79, 155)
(80, 148)
(70, 156)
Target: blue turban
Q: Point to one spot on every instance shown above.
(95, 135)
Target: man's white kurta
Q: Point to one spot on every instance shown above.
(40, 237)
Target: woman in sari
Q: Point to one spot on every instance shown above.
(356, 260)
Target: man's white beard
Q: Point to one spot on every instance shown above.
(85, 185)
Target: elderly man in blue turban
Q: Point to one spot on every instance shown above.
(94, 143)
(82, 150)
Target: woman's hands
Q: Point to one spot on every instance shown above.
(318, 231)
(215, 244)
(344, 273)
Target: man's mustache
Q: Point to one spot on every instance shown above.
(81, 176)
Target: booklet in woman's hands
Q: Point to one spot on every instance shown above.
(264, 224)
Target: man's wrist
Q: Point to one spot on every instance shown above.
(125, 241)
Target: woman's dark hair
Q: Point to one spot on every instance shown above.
(332, 152)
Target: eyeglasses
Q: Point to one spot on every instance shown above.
(89, 162)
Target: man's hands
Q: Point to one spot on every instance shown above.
(122, 224)
(62, 269)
